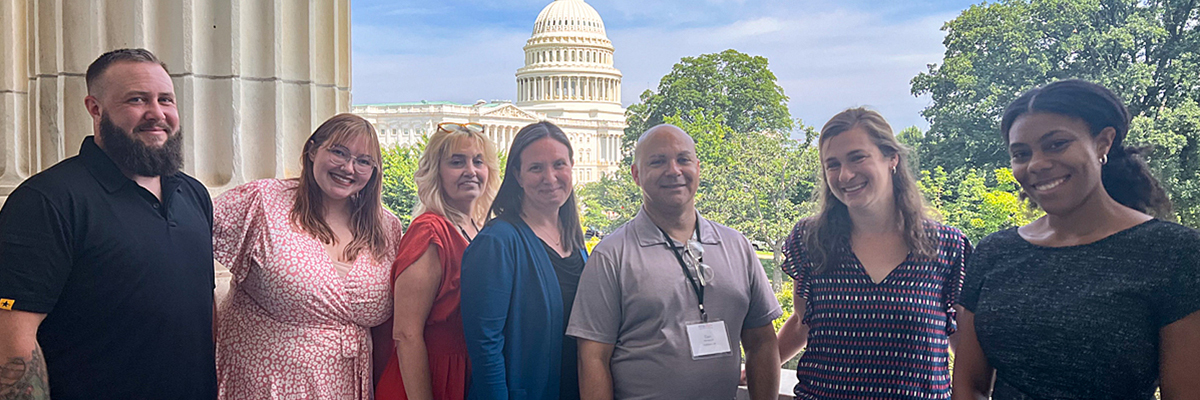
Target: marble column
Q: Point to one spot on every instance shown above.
(252, 78)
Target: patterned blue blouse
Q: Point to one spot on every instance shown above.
(878, 341)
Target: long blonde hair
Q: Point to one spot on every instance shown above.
(430, 194)
(366, 218)
(827, 232)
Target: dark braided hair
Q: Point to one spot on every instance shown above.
(1126, 177)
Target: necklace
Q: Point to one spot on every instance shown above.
(557, 241)
(464, 231)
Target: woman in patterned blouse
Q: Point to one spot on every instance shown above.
(875, 278)
(311, 264)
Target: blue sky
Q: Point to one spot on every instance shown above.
(827, 55)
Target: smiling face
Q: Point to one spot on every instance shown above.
(545, 175)
(463, 174)
(857, 172)
(666, 168)
(138, 98)
(337, 178)
(1056, 160)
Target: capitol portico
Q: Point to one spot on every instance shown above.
(568, 79)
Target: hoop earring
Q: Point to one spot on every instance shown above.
(893, 170)
(1104, 159)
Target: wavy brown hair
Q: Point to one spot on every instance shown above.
(827, 234)
(366, 214)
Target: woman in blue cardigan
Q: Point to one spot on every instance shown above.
(519, 276)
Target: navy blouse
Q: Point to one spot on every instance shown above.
(881, 341)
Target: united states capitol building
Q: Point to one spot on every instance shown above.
(568, 79)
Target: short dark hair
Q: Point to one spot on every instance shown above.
(507, 205)
(1125, 176)
(105, 60)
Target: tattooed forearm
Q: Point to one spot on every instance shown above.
(24, 378)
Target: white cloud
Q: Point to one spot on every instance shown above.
(459, 66)
(825, 61)
(826, 57)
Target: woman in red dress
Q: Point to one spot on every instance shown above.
(456, 179)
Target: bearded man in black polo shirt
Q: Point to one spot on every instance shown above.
(106, 268)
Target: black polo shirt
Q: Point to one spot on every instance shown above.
(126, 282)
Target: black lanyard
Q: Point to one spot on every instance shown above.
(696, 286)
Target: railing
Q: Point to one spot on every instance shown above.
(787, 377)
(787, 381)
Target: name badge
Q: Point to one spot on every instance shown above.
(708, 340)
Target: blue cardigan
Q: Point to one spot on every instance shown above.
(512, 314)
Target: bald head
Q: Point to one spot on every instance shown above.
(660, 136)
(666, 168)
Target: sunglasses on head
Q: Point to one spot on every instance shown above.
(454, 126)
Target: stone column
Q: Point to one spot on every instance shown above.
(252, 78)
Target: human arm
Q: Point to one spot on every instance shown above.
(758, 331)
(415, 290)
(953, 287)
(793, 335)
(22, 366)
(595, 377)
(238, 218)
(35, 263)
(952, 341)
(762, 362)
(1180, 358)
(1179, 332)
(487, 281)
(595, 321)
(973, 375)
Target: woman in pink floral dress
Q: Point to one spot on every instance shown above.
(311, 265)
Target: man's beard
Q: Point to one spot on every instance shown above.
(134, 156)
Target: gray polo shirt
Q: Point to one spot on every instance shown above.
(634, 294)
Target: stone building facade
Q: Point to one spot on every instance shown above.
(568, 79)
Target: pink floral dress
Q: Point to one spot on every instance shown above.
(291, 328)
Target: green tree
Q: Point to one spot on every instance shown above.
(736, 86)
(1147, 52)
(610, 201)
(399, 190)
(748, 180)
(976, 202)
(399, 166)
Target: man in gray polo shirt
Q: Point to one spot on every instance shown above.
(660, 317)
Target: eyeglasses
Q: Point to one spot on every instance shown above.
(695, 253)
(341, 156)
(454, 126)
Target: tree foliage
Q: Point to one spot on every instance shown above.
(976, 203)
(738, 87)
(399, 190)
(748, 180)
(1148, 52)
(610, 201)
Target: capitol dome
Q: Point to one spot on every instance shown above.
(573, 17)
(569, 68)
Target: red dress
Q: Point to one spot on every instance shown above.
(448, 368)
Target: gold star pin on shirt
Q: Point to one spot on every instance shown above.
(6, 304)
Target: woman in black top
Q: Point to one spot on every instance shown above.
(1097, 299)
(568, 270)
